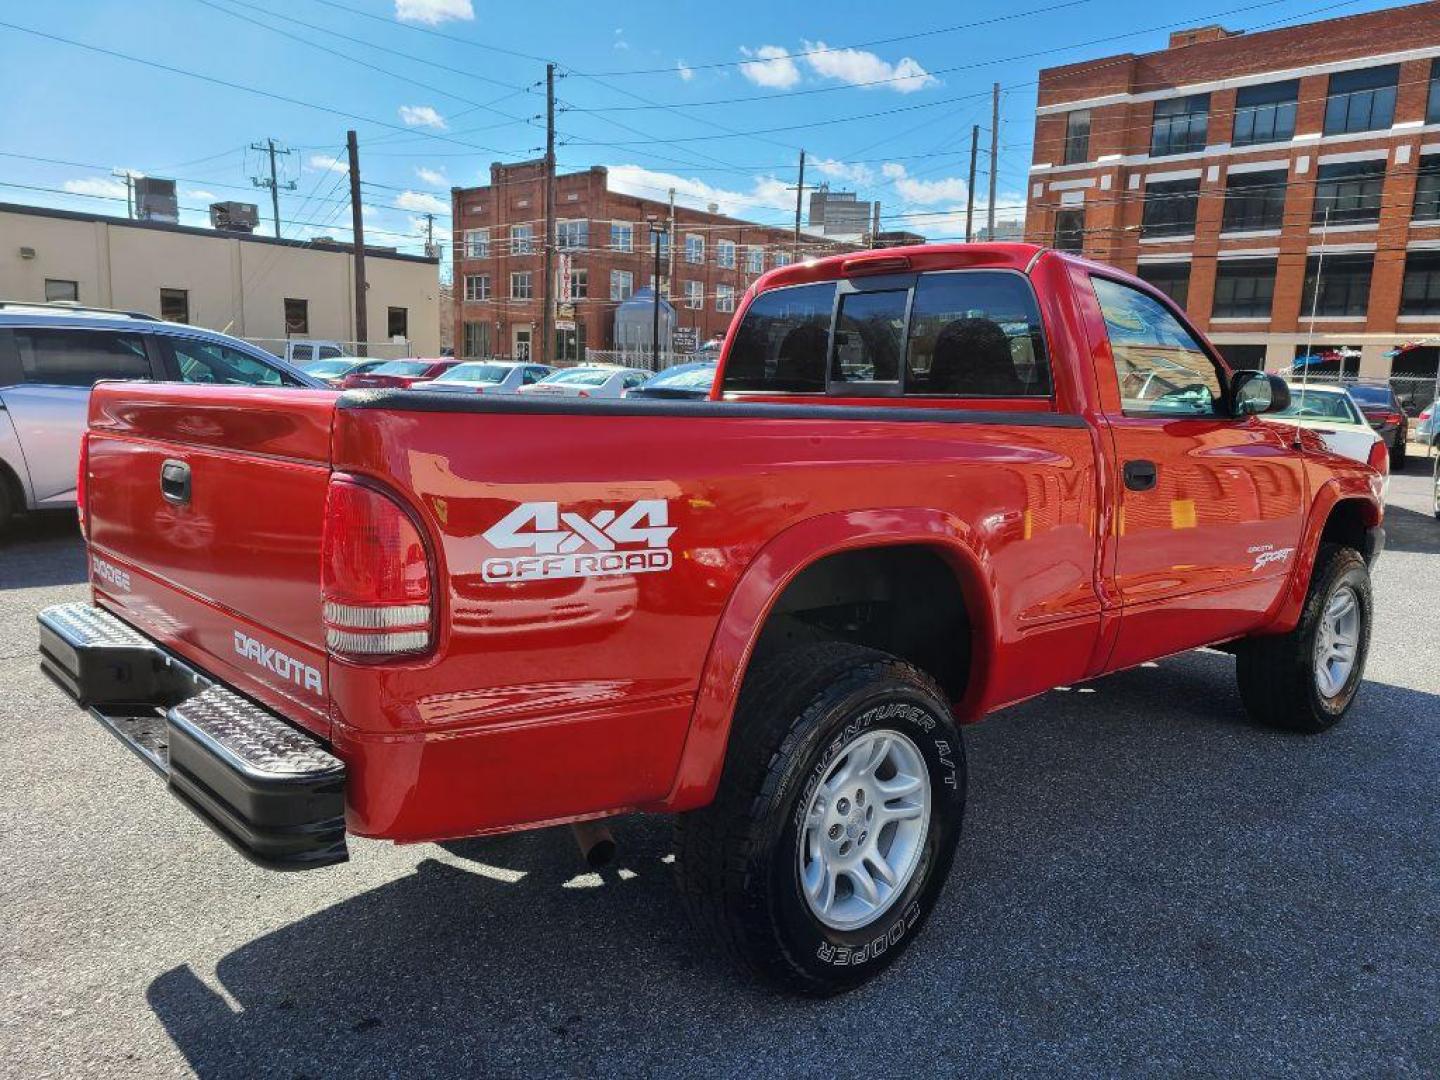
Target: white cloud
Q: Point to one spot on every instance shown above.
(326, 163)
(772, 66)
(684, 70)
(96, 185)
(766, 193)
(421, 202)
(917, 192)
(421, 116)
(199, 193)
(858, 68)
(949, 223)
(433, 12)
(432, 177)
(620, 44)
(840, 170)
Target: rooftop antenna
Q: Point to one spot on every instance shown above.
(1310, 335)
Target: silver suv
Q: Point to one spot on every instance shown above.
(50, 356)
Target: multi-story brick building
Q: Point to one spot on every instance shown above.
(605, 252)
(1238, 171)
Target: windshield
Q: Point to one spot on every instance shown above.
(402, 367)
(476, 373)
(1370, 395)
(328, 367)
(1321, 405)
(579, 377)
(684, 377)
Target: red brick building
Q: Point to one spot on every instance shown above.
(1238, 171)
(604, 249)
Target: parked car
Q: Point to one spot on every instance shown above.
(50, 356)
(398, 374)
(1427, 425)
(333, 371)
(486, 377)
(592, 381)
(301, 352)
(681, 382)
(1332, 414)
(830, 578)
(1383, 411)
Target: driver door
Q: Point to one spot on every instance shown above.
(1210, 505)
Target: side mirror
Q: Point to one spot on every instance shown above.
(1255, 392)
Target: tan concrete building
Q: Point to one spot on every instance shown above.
(254, 287)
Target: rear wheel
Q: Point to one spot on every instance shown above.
(835, 822)
(1399, 453)
(7, 501)
(1306, 680)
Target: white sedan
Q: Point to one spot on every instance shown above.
(486, 377)
(1331, 413)
(593, 381)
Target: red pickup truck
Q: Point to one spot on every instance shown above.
(929, 482)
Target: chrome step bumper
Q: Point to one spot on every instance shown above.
(273, 791)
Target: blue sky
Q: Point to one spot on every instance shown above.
(715, 100)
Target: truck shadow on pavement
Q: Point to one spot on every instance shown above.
(41, 550)
(1411, 530)
(1146, 883)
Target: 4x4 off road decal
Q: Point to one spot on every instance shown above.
(565, 544)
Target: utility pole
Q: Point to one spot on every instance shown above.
(970, 188)
(547, 340)
(129, 190)
(994, 156)
(799, 195)
(429, 233)
(670, 250)
(357, 228)
(656, 231)
(273, 183)
(875, 224)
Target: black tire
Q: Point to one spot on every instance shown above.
(737, 860)
(1399, 454)
(1278, 681)
(7, 502)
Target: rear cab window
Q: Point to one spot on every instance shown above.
(80, 357)
(937, 334)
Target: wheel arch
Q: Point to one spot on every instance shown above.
(775, 569)
(1346, 509)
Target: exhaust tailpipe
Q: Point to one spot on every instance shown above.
(597, 845)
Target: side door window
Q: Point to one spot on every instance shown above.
(80, 357)
(1160, 366)
(198, 361)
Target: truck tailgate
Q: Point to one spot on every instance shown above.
(204, 522)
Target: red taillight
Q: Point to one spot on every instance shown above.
(1380, 458)
(584, 393)
(1392, 418)
(376, 577)
(81, 473)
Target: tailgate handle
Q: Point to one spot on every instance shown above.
(175, 482)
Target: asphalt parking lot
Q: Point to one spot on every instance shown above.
(1145, 884)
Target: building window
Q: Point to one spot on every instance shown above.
(1432, 101)
(1344, 284)
(725, 254)
(1069, 230)
(755, 259)
(522, 239)
(1170, 208)
(297, 316)
(694, 295)
(1254, 200)
(694, 248)
(477, 243)
(1265, 113)
(782, 258)
(1179, 125)
(477, 286)
(1361, 100)
(1420, 295)
(579, 284)
(1427, 188)
(1244, 289)
(1350, 191)
(1172, 279)
(622, 236)
(520, 286)
(397, 323)
(475, 341)
(622, 284)
(175, 305)
(59, 291)
(1077, 136)
(572, 235)
(724, 297)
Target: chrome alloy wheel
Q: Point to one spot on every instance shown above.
(864, 830)
(1337, 644)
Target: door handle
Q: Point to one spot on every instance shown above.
(175, 482)
(1141, 475)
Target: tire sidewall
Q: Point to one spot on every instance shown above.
(844, 957)
(1355, 575)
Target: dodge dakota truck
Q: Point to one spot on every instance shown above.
(927, 483)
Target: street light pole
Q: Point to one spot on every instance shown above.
(656, 231)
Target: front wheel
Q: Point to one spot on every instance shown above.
(1306, 680)
(835, 822)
